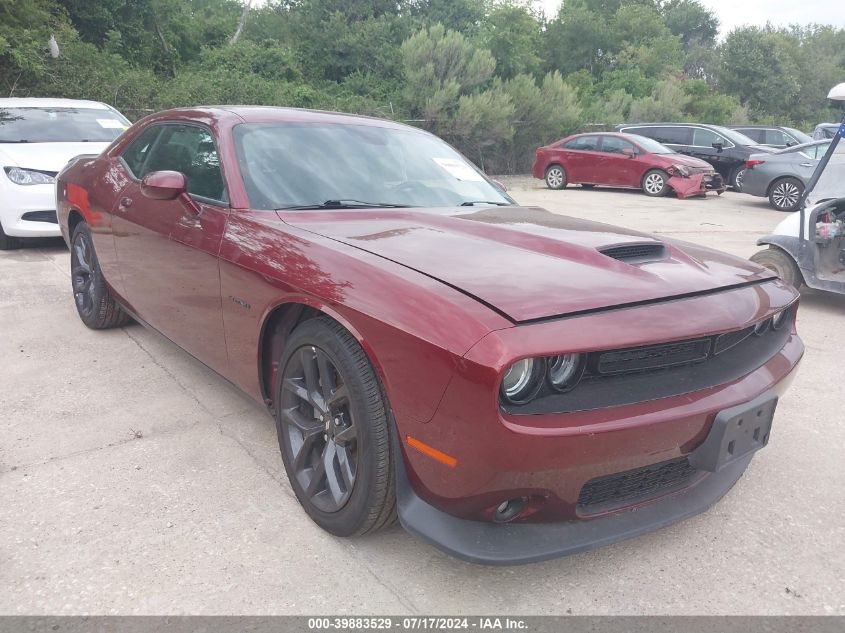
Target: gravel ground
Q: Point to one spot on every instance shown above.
(135, 481)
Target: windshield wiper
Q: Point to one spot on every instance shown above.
(344, 204)
(470, 203)
(23, 140)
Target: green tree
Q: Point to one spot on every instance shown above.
(761, 67)
(511, 33)
(441, 66)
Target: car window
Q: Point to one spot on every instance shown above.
(189, 149)
(702, 137)
(776, 137)
(674, 135)
(583, 143)
(755, 134)
(817, 151)
(615, 145)
(138, 150)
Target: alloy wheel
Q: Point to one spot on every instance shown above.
(654, 183)
(785, 195)
(321, 429)
(554, 177)
(82, 273)
(740, 175)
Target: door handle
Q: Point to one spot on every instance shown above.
(125, 203)
(807, 164)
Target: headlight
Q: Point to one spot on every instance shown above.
(564, 371)
(522, 380)
(21, 176)
(680, 169)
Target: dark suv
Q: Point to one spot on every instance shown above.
(776, 136)
(723, 148)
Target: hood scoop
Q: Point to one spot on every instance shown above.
(636, 253)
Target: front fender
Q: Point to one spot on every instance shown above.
(790, 245)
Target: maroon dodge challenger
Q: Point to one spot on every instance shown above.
(511, 384)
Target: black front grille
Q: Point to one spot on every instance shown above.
(40, 216)
(652, 357)
(635, 252)
(633, 486)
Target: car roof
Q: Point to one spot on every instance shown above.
(273, 114)
(667, 124)
(38, 102)
(755, 126)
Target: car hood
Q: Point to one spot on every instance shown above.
(45, 156)
(528, 263)
(687, 161)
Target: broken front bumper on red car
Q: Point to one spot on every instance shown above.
(577, 474)
(697, 185)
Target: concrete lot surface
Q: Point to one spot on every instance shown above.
(135, 481)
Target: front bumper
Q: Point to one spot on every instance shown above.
(517, 543)
(697, 185)
(29, 211)
(557, 461)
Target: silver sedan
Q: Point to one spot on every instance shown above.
(782, 176)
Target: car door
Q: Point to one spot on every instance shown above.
(614, 167)
(579, 157)
(807, 160)
(167, 249)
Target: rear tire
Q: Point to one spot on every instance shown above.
(7, 242)
(556, 177)
(781, 264)
(654, 183)
(736, 178)
(94, 302)
(785, 194)
(332, 421)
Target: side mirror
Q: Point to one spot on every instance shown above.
(718, 146)
(164, 185)
(499, 185)
(629, 152)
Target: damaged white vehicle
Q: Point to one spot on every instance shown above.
(808, 247)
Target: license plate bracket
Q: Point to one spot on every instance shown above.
(736, 433)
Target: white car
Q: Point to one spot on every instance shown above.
(808, 247)
(37, 138)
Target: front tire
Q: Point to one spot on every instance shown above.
(94, 302)
(556, 177)
(781, 264)
(332, 421)
(654, 183)
(785, 194)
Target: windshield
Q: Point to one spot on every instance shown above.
(733, 136)
(650, 145)
(831, 182)
(59, 125)
(296, 164)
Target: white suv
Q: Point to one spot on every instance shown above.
(37, 138)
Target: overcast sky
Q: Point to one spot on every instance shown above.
(733, 13)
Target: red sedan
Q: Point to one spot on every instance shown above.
(507, 382)
(624, 160)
